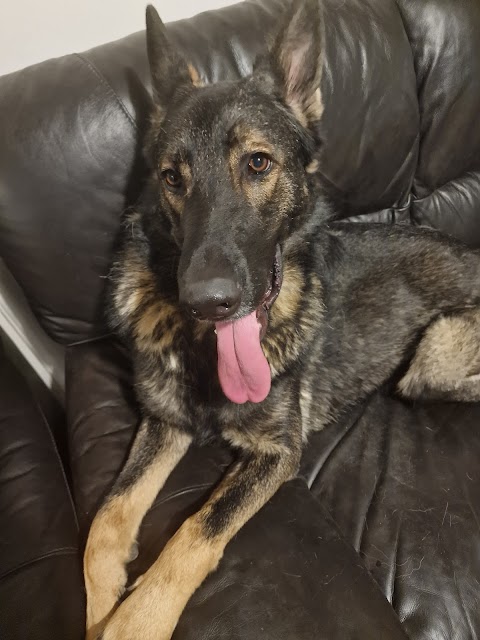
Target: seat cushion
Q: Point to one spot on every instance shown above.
(402, 482)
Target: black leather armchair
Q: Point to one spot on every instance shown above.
(379, 536)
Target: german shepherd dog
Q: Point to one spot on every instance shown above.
(252, 316)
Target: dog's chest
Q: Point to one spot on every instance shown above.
(181, 386)
(180, 383)
(183, 390)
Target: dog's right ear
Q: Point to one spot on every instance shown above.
(168, 68)
(295, 58)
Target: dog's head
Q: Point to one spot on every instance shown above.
(234, 166)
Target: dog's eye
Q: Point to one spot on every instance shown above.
(259, 163)
(172, 178)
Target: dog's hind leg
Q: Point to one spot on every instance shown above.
(446, 364)
(151, 612)
(156, 451)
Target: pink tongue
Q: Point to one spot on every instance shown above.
(242, 368)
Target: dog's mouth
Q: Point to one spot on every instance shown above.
(271, 294)
(243, 370)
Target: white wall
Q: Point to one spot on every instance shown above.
(20, 325)
(34, 30)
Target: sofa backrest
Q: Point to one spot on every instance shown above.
(401, 134)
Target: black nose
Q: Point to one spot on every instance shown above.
(213, 299)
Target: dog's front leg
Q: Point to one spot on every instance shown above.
(156, 451)
(152, 611)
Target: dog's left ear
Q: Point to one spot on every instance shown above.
(296, 59)
(168, 68)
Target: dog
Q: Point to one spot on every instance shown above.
(252, 316)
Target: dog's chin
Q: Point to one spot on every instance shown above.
(271, 293)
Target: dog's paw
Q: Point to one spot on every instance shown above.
(105, 578)
(136, 584)
(446, 364)
(141, 616)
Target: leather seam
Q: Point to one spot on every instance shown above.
(317, 472)
(62, 551)
(379, 481)
(109, 89)
(473, 173)
(62, 469)
(91, 340)
(404, 24)
(419, 136)
(56, 453)
(365, 573)
(93, 411)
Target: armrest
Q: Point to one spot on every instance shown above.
(41, 590)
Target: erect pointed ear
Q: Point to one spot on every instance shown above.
(296, 58)
(168, 68)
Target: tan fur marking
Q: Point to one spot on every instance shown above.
(257, 192)
(447, 359)
(156, 314)
(250, 441)
(115, 528)
(177, 200)
(167, 398)
(244, 142)
(261, 193)
(312, 167)
(310, 112)
(156, 117)
(299, 113)
(314, 109)
(200, 330)
(195, 76)
(306, 400)
(173, 362)
(137, 288)
(234, 163)
(290, 296)
(135, 284)
(186, 172)
(250, 140)
(285, 339)
(149, 319)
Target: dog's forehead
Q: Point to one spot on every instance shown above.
(224, 115)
